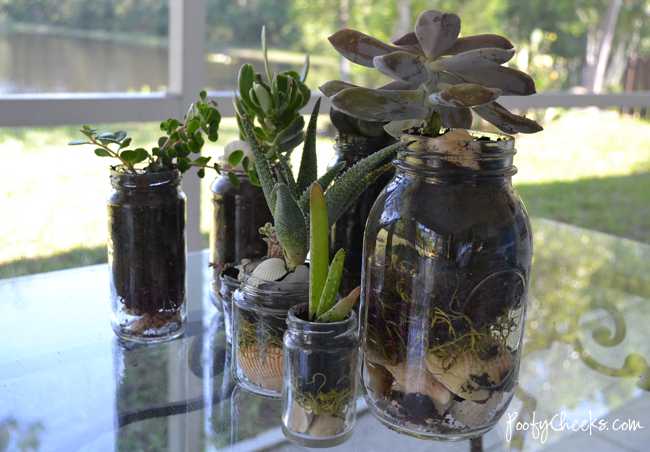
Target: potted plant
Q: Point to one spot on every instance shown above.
(448, 244)
(320, 350)
(146, 222)
(268, 289)
(239, 207)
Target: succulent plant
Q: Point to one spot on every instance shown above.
(439, 78)
(288, 198)
(273, 106)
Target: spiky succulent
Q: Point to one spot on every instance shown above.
(288, 198)
(436, 75)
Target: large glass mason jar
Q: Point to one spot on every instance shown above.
(260, 309)
(448, 250)
(147, 255)
(319, 398)
(347, 232)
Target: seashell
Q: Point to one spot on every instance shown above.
(299, 275)
(299, 418)
(468, 376)
(416, 379)
(379, 379)
(262, 370)
(270, 269)
(472, 414)
(325, 425)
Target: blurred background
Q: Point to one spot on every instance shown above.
(590, 167)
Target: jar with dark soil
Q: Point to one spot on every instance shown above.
(260, 309)
(347, 232)
(320, 373)
(448, 251)
(147, 255)
(237, 216)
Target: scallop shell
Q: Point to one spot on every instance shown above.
(299, 418)
(270, 269)
(379, 379)
(473, 414)
(468, 376)
(325, 425)
(413, 378)
(264, 371)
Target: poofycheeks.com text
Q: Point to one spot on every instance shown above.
(558, 423)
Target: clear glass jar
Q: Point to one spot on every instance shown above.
(347, 232)
(237, 216)
(448, 251)
(260, 310)
(229, 285)
(319, 396)
(147, 255)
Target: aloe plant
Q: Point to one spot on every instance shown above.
(439, 78)
(288, 197)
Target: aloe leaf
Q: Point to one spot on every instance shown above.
(366, 182)
(341, 309)
(261, 164)
(472, 59)
(436, 31)
(478, 42)
(334, 87)
(374, 105)
(324, 181)
(465, 95)
(403, 66)
(288, 175)
(510, 81)
(308, 171)
(498, 115)
(318, 248)
(359, 47)
(331, 288)
(291, 227)
(339, 194)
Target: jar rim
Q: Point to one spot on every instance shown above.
(499, 145)
(128, 179)
(326, 328)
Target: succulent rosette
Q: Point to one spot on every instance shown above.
(434, 71)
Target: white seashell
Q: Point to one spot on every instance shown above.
(379, 379)
(472, 414)
(270, 269)
(232, 146)
(415, 378)
(264, 371)
(299, 275)
(299, 418)
(461, 376)
(325, 425)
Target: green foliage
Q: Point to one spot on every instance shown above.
(174, 150)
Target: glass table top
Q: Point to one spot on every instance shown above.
(68, 384)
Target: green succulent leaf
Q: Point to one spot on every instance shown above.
(234, 180)
(102, 153)
(291, 131)
(305, 69)
(342, 309)
(507, 122)
(235, 158)
(291, 227)
(331, 288)
(77, 143)
(261, 164)
(374, 105)
(309, 162)
(318, 248)
(324, 181)
(359, 47)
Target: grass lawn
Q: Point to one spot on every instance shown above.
(588, 169)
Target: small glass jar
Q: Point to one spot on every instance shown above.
(347, 232)
(448, 251)
(320, 372)
(229, 285)
(237, 216)
(147, 255)
(260, 310)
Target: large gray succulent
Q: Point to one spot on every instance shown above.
(434, 71)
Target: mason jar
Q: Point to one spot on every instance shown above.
(147, 255)
(237, 216)
(319, 397)
(260, 309)
(448, 252)
(347, 232)
(229, 285)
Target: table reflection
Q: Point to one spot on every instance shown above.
(68, 384)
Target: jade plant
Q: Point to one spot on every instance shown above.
(174, 150)
(288, 197)
(439, 78)
(324, 283)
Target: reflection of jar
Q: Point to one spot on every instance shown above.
(146, 255)
(448, 251)
(237, 216)
(320, 373)
(259, 321)
(347, 232)
(229, 284)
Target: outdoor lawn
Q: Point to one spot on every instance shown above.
(587, 168)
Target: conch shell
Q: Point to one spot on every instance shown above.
(468, 376)
(263, 370)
